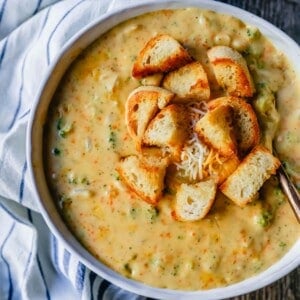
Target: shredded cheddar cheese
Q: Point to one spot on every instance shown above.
(192, 157)
(195, 155)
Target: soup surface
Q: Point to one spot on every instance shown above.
(86, 137)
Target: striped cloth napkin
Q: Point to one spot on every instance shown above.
(33, 263)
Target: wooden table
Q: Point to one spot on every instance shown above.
(285, 14)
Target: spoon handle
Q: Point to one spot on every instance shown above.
(290, 191)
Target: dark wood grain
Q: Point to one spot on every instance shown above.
(285, 14)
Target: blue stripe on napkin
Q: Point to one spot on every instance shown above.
(37, 7)
(3, 50)
(21, 190)
(2, 9)
(102, 288)
(26, 113)
(43, 277)
(56, 27)
(92, 277)
(80, 275)
(66, 260)
(54, 251)
(44, 21)
(10, 286)
(39, 262)
(27, 264)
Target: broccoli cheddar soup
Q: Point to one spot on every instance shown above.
(158, 149)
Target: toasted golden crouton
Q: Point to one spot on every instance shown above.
(153, 80)
(188, 82)
(223, 168)
(161, 54)
(244, 183)
(244, 119)
(215, 129)
(231, 71)
(144, 176)
(193, 201)
(141, 106)
(168, 129)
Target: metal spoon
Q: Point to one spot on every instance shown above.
(289, 189)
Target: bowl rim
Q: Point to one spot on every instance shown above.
(34, 150)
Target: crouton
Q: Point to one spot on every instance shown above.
(153, 80)
(215, 129)
(141, 106)
(231, 71)
(223, 168)
(161, 54)
(144, 176)
(244, 183)
(188, 82)
(245, 121)
(152, 152)
(168, 129)
(193, 201)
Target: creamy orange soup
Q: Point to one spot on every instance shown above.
(86, 136)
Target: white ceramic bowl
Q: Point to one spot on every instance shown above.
(35, 149)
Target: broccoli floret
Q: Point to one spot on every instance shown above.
(268, 115)
(265, 218)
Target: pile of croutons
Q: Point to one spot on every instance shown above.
(157, 119)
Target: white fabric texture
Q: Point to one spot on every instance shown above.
(33, 263)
